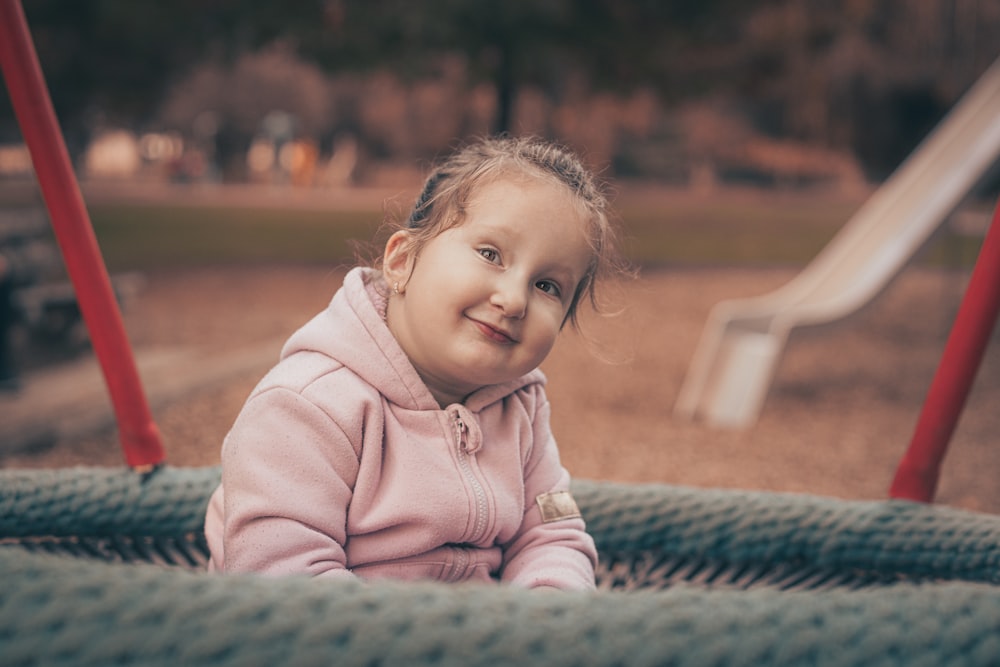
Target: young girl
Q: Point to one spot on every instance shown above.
(405, 431)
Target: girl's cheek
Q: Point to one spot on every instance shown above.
(556, 316)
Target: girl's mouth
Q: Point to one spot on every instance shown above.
(495, 334)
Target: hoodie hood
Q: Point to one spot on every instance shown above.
(352, 331)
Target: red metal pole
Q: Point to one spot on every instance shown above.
(917, 475)
(139, 436)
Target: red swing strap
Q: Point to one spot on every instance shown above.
(33, 108)
(917, 475)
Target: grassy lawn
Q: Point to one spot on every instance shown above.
(660, 231)
(722, 232)
(144, 236)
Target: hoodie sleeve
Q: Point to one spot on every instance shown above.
(552, 547)
(288, 474)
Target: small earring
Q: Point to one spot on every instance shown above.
(395, 287)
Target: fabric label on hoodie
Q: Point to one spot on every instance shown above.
(557, 505)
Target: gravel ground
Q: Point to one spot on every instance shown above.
(838, 418)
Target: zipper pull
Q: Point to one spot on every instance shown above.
(459, 431)
(467, 435)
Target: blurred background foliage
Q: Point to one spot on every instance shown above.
(688, 92)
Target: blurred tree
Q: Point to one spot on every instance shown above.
(817, 71)
(113, 60)
(869, 76)
(615, 44)
(220, 108)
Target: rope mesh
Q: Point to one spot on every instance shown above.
(727, 578)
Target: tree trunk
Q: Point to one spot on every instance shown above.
(505, 87)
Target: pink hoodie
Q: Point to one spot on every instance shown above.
(342, 462)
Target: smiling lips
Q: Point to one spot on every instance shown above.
(494, 334)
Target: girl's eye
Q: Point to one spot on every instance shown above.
(548, 287)
(489, 254)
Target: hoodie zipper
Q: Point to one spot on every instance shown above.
(466, 467)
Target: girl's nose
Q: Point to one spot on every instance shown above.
(510, 296)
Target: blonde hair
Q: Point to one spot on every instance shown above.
(448, 189)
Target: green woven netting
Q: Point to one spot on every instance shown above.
(680, 585)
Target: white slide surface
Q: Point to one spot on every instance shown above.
(735, 360)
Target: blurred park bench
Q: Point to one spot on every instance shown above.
(40, 319)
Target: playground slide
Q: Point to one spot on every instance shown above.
(735, 360)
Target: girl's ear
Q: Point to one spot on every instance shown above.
(397, 261)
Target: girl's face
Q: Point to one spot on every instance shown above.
(483, 302)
